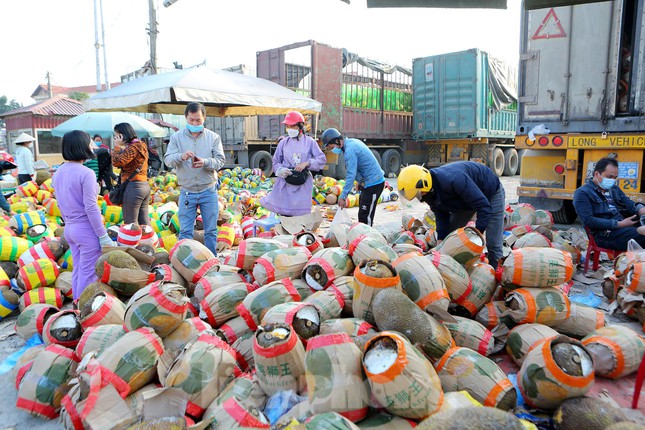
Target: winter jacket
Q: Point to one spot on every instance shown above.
(361, 166)
(461, 186)
(594, 210)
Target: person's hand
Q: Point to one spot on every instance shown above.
(187, 155)
(283, 172)
(302, 166)
(342, 203)
(105, 241)
(198, 162)
(118, 139)
(632, 221)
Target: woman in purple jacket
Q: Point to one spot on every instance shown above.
(296, 153)
(76, 192)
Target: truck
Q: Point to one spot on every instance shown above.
(465, 108)
(361, 97)
(466, 113)
(581, 98)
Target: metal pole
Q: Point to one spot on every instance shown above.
(107, 81)
(97, 46)
(153, 37)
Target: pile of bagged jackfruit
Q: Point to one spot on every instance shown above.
(346, 331)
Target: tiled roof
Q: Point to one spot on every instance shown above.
(58, 90)
(50, 107)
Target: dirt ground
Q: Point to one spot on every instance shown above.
(387, 223)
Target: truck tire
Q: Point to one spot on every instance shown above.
(262, 160)
(520, 154)
(510, 162)
(567, 213)
(496, 162)
(377, 155)
(391, 162)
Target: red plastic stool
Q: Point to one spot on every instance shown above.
(596, 250)
(640, 377)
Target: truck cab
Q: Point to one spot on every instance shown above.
(581, 98)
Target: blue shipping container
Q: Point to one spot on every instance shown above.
(452, 98)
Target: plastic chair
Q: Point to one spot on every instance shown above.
(596, 250)
(640, 376)
(265, 223)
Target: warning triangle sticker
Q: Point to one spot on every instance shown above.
(549, 23)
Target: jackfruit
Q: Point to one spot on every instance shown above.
(59, 232)
(475, 418)
(587, 413)
(119, 259)
(93, 289)
(394, 311)
(10, 268)
(42, 175)
(160, 257)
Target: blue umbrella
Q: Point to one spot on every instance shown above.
(103, 123)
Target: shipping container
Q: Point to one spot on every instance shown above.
(465, 108)
(581, 96)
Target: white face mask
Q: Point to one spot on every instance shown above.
(293, 132)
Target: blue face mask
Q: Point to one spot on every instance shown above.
(337, 150)
(607, 183)
(195, 128)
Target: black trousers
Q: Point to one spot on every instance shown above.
(22, 178)
(368, 201)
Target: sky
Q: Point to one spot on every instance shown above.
(41, 36)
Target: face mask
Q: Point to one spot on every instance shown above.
(607, 183)
(337, 150)
(293, 132)
(195, 128)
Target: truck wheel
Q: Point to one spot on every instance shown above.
(496, 162)
(391, 162)
(262, 160)
(377, 156)
(510, 162)
(567, 213)
(520, 154)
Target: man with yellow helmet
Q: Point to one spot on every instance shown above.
(456, 192)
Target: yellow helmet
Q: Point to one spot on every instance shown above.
(414, 179)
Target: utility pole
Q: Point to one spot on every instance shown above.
(97, 46)
(153, 36)
(50, 91)
(107, 81)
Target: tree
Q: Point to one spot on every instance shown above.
(6, 106)
(80, 96)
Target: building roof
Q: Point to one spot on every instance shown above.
(50, 107)
(57, 90)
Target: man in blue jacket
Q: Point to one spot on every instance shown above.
(603, 207)
(362, 167)
(456, 192)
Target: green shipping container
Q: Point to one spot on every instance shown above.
(462, 95)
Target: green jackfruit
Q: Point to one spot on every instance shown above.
(587, 413)
(393, 310)
(93, 289)
(119, 259)
(475, 418)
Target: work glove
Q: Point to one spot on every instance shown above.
(283, 172)
(105, 241)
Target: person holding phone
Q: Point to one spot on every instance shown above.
(131, 155)
(611, 216)
(196, 154)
